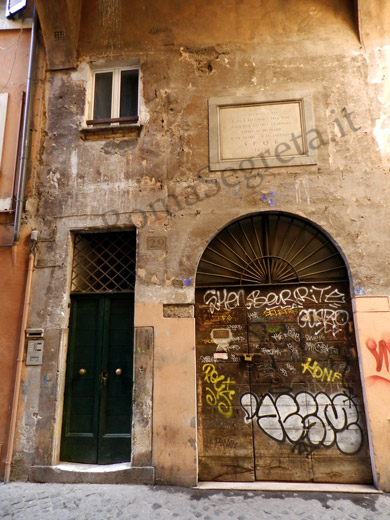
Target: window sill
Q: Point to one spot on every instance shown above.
(110, 131)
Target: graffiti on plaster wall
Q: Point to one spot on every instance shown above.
(379, 351)
(218, 391)
(306, 421)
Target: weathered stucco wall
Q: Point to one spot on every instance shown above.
(159, 181)
(174, 431)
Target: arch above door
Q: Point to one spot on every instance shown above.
(270, 248)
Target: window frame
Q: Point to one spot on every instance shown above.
(3, 119)
(115, 119)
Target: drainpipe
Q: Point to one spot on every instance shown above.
(26, 132)
(19, 366)
(22, 178)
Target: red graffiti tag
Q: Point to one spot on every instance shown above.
(379, 351)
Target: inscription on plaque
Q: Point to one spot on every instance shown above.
(248, 133)
(251, 130)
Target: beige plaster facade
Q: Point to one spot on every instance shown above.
(155, 176)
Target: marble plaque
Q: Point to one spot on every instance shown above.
(247, 133)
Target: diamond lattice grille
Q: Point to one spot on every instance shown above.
(104, 262)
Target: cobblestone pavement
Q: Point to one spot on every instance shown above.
(105, 502)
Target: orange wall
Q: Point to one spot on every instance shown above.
(14, 53)
(372, 314)
(13, 266)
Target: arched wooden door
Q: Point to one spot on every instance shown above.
(279, 392)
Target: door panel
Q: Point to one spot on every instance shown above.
(290, 356)
(80, 423)
(98, 401)
(225, 441)
(116, 407)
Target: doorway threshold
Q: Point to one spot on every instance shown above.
(73, 473)
(93, 468)
(289, 486)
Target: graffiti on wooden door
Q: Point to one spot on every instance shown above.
(283, 362)
(308, 422)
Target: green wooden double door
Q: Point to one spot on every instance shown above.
(99, 379)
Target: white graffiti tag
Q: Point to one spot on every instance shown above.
(327, 321)
(307, 422)
(223, 300)
(296, 298)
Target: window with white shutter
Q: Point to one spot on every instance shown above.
(14, 6)
(3, 117)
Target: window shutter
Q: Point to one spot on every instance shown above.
(14, 6)
(3, 116)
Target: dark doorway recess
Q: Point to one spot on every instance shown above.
(97, 414)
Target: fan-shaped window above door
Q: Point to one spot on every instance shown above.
(270, 248)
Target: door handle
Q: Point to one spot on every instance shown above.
(118, 371)
(82, 371)
(103, 378)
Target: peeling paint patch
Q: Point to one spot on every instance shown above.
(53, 178)
(201, 57)
(382, 133)
(192, 443)
(301, 191)
(155, 279)
(141, 272)
(74, 163)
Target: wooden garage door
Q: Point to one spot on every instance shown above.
(278, 386)
(279, 393)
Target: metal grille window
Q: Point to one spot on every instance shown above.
(104, 262)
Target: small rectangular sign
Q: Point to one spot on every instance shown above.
(34, 352)
(221, 355)
(156, 243)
